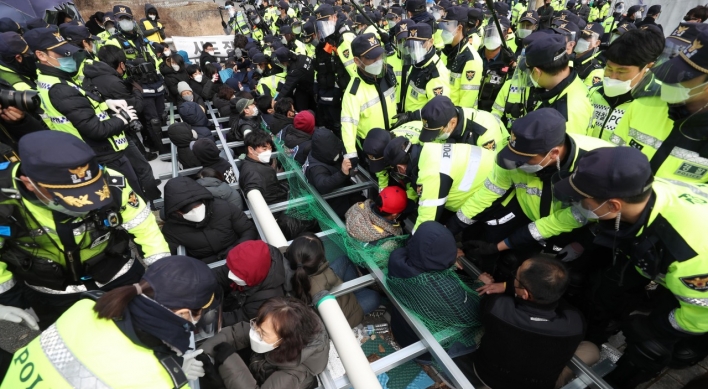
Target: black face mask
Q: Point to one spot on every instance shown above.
(28, 67)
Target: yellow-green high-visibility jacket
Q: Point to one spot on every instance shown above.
(479, 128)
(466, 69)
(131, 51)
(367, 104)
(271, 84)
(300, 48)
(594, 15)
(674, 235)
(310, 50)
(475, 39)
(147, 25)
(530, 190)
(646, 125)
(397, 66)
(37, 237)
(410, 131)
(516, 11)
(425, 82)
(82, 351)
(605, 11)
(18, 81)
(344, 52)
(448, 175)
(606, 117)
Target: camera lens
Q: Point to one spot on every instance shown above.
(25, 100)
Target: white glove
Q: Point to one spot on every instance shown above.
(128, 114)
(18, 315)
(571, 252)
(116, 105)
(191, 367)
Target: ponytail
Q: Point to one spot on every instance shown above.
(112, 304)
(301, 284)
(305, 255)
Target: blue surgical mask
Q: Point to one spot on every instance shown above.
(67, 64)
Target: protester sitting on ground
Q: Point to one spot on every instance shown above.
(214, 182)
(372, 220)
(222, 100)
(194, 115)
(298, 136)
(265, 107)
(207, 153)
(313, 274)
(255, 271)
(207, 227)
(530, 332)
(173, 70)
(186, 94)
(283, 114)
(257, 173)
(288, 343)
(182, 136)
(244, 117)
(200, 84)
(326, 169)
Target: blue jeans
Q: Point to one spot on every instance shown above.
(367, 298)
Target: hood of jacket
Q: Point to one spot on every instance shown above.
(97, 68)
(293, 137)
(149, 7)
(206, 152)
(366, 226)
(193, 114)
(432, 248)
(181, 191)
(326, 147)
(181, 134)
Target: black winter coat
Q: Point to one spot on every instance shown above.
(300, 76)
(110, 85)
(207, 153)
(206, 58)
(279, 122)
(181, 135)
(292, 138)
(224, 226)
(173, 78)
(205, 89)
(224, 106)
(261, 176)
(78, 109)
(242, 305)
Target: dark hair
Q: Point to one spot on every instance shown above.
(178, 60)
(226, 92)
(111, 55)
(206, 45)
(545, 279)
(295, 323)
(556, 66)
(240, 41)
(636, 48)
(192, 68)
(305, 255)
(211, 172)
(112, 304)
(244, 95)
(257, 138)
(283, 106)
(264, 102)
(209, 70)
(699, 12)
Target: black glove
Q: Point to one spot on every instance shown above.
(455, 225)
(477, 248)
(212, 378)
(223, 24)
(385, 38)
(507, 55)
(405, 117)
(222, 351)
(355, 163)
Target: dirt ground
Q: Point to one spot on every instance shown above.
(180, 18)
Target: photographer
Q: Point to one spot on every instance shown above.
(16, 120)
(104, 78)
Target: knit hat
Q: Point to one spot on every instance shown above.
(249, 261)
(183, 86)
(305, 122)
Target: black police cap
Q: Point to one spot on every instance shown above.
(396, 151)
(37, 23)
(420, 31)
(534, 134)
(456, 13)
(545, 49)
(415, 6)
(368, 46)
(324, 11)
(12, 44)
(76, 34)
(374, 146)
(122, 10)
(44, 39)
(7, 24)
(435, 115)
(529, 16)
(691, 63)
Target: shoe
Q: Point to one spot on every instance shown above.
(150, 156)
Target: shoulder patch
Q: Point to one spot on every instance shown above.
(596, 79)
(345, 53)
(438, 91)
(697, 282)
(118, 182)
(133, 199)
(491, 145)
(470, 75)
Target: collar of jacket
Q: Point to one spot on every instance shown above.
(546, 311)
(558, 89)
(430, 59)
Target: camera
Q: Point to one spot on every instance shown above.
(141, 71)
(135, 126)
(27, 100)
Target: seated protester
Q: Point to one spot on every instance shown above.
(298, 136)
(265, 107)
(373, 220)
(214, 182)
(207, 227)
(326, 169)
(288, 342)
(257, 172)
(173, 70)
(200, 84)
(313, 274)
(283, 114)
(182, 135)
(255, 271)
(194, 115)
(222, 100)
(428, 257)
(245, 118)
(207, 153)
(187, 94)
(530, 333)
(207, 56)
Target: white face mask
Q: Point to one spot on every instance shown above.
(283, 40)
(198, 77)
(258, 345)
(588, 214)
(265, 156)
(523, 33)
(111, 30)
(534, 82)
(677, 93)
(638, 14)
(492, 42)
(255, 112)
(237, 280)
(210, 52)
(447, 37)
(533, 168)
(375, 68)
(175, 67)
(232, 12)
(152, 17)
(166, 53)
(197, 214)
(582, 46)
(126, 25)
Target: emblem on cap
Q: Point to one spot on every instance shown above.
(512, 139)
(589, 26)
(372, 41)
(121, 9)
(693, 49)
(403, 27)
(425, 123)
(58, 36)
(562, 17)
(104, 193)
(80, 174)
(680, 30)
(529, 14)
(413, 33)
(75, 201)
(319, 16)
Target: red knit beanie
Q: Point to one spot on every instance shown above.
(305, 122)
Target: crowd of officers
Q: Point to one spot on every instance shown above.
(487, 114)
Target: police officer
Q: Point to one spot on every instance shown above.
(586, 61)
(416, 10)
(443, 175)
(299, 79)
(370, 98)
(291, 42)
(655, 226)
(374, 146)
(496, 61)
(528, 23)
(75, 111)
(516, 11)
(17, 66)
(80, 37)
(136, 47)
(237, 20)
(428, 76)
(669, 130)
(682, 37)
(308, 38)
(285, 18)
(109, 24)
(629, 59)
(69, 225)
(473, 29)
(538, 149)
(162, 307)
(463, 62)
(272, 77)
(400, 61)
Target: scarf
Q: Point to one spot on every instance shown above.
(158, 321)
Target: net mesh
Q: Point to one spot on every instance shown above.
(444, 302)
